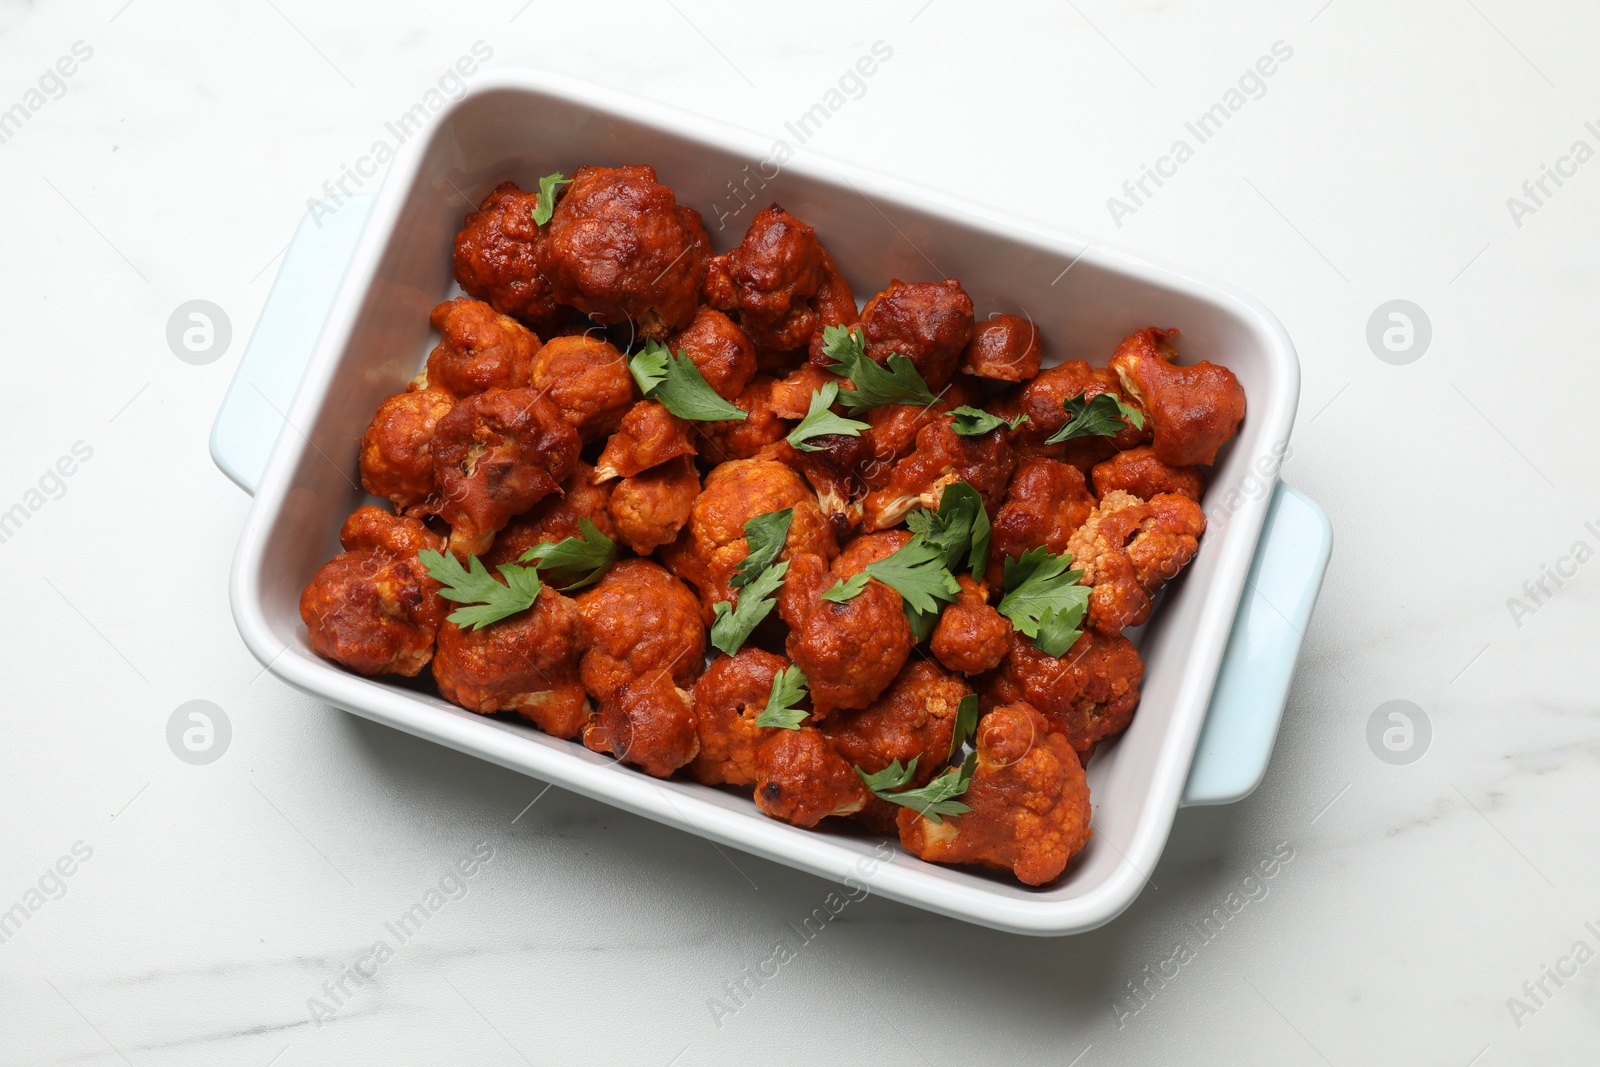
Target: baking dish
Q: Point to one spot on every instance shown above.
(347, 324)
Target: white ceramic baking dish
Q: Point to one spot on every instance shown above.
(374, 335)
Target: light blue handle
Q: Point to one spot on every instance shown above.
(1258, 665)
(269, 372)
(1252, 684)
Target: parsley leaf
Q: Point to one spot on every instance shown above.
(974, 422)
(966, 722)
(735, 623)
(960, 528)
(922, 623)
(936, 798)
(891, 777)
(821, 421)
(487, 600)
(895, 381)
(545, 204)
(1043, 599)
(765, 535)
(788, 689)
(847, 588)
(1100, 416)
(574, 562)
(916, 571)
(678, 384)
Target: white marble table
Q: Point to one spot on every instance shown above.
(1422, 909)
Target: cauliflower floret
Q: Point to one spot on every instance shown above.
(1029, 800)
(1193, 410)
(1128, 549)
(648, 722)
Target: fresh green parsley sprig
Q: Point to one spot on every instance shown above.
(789, 688)
(734, 623)
(895, 381)
(959, 529)
(679, 386)
(966, 724)
(1103, 415)
(820, 420)
(486, 599)
(916, 571)
(765, 535)
(574, 562)
(1043, 599)
(933, 800)
(975, 422)
(545, 204)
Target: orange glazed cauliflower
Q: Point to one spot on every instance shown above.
(495, 455)
(1087, 695)
(636, 619)
(744, 438)
(555, 518)
(648, 722)
(496, 259)
(713, 544)
(721, 351)
(1045, 504)
(942, 457)
(478, 349)
(397, 450)
(850, 652)
(1029, 800)
(781, 281)
(1139, 472)
(587, 378)
(801, 779)
(727, 699)
(620, 248)
(527, 663)
(648, 437)
(971, 636)
(650, 508)
(1043, 400)
(373, 607)
(1193, 410)
(1004, 348)
(1128, 549)
(930, 323)
(913, 719)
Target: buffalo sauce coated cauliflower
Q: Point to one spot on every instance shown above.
(802, 779)
(373, 607)
(648, 722)
(1029, 800)
(781, 282)
(713, 544)
(971, 636)
(621, 249)
(728, 698)
(912, 720)
(496, 259)
(638, 619)
(478, 349)
(527, 663)
(930, 323)
(1129, 548)
(397, 449)
(850, 652)
(1086, 695)
(495, 455)
(1140, 472)
(1043, 400)
(1193, 410)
